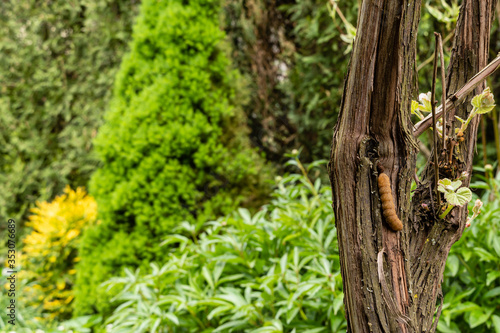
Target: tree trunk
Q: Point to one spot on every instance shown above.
(392, 279)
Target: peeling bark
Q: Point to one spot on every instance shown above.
(392, 279)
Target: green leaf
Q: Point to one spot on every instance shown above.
(442, 327)
(414, 106)
(485, 109)
(492, 293)
(442, 184)
(456, 184)
(484, 255)
(208, 277)
(459, 198)
(291, 314)
(338, 302)
(453, 264)
(492, 276)
(479, 317)
(496, 323)
(476, 101)
(231, 325)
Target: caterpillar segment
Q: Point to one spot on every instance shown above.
(388, 208)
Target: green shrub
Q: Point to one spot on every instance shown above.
(59, 59)
(46, 271)
(174, 145)
(274, 271)
(50, 252)
(278, 270)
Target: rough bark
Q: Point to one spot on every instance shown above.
(392, 279)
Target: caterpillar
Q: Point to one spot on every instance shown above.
(388, 208)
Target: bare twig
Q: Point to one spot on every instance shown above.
(439, 46)
(438, 314)
(429, 60)
(435, 136)
(458, 97)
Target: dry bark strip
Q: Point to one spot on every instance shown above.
(396, 292)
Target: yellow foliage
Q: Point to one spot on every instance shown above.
(50, 251)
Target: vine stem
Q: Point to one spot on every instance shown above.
(458, 97)
(433, 104)
(439, 46)
(448, 209)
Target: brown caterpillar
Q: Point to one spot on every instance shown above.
(388, 208)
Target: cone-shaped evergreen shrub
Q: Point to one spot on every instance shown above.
(174, 145)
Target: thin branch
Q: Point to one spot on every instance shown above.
(429, 60)
(435, 131)
(439, 46)
(438, 314)
(459, 96)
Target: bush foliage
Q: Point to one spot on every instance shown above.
(278, 271)
(274, 271)
(59, 59)
(472, 280)
(50, 252)
(174, 145)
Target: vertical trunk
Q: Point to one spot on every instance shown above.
(431, 239)
(392, 279)
(374, 127)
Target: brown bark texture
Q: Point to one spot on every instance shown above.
(392, 280)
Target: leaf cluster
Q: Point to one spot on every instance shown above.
(472, 280)
(50, 253)
(273, 271)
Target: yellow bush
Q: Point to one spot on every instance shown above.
(50, 251)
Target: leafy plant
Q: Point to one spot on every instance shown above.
(453, 194)
(174, 145)
(472, 281)
(482, 103)
(50, 252)
(274, 271)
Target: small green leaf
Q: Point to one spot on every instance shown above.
(492, 293)
(464, 195)
(476, 101)
(456, 184)
(479, 317)
(443, 183)
(492, 276)
(453, 264)
(485, 109)
(452, 198)
(338, 302)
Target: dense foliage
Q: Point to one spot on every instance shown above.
(50, 252)
(472, 280)
(279, 268)
(274, 271)
(174, 145)
(59, 59)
